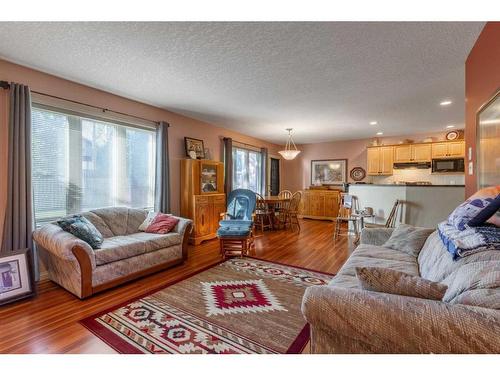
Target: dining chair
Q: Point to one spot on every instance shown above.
(263, 214)
(347, 205)
(391, 219)
(291, 212)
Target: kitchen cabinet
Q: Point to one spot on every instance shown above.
(448, 150)
(412, 153)
(380, 160)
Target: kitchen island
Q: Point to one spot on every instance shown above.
(424, 205)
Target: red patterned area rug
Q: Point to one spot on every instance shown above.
(242, 305)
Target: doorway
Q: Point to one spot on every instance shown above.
(274, 180)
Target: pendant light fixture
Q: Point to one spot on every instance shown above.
(289, 153)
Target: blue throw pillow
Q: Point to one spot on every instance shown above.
(490, 210)
(476, 210)
(80, 227)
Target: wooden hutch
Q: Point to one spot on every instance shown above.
(202, 197)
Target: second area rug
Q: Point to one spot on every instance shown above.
(243, 305)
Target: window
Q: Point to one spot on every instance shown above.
(81, 163)
(247, 166)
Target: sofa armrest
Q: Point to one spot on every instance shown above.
(399, 324)
(375, 236)
(61, 244)
(182, 225)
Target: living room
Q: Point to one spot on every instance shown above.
(250, 187)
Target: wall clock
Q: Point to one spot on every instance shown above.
(357, 173)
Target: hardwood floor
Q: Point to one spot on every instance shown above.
(48, 323)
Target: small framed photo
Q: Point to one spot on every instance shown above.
(196, 145)
(16, 279)
(328, 172)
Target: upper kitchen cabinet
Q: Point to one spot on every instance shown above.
(412, 153)
(448, 150)
(380, 160)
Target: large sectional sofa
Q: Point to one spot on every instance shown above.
(347, 319)
(125, 254)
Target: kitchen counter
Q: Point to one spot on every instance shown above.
(422, 207)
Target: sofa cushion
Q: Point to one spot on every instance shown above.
(147, 221)
(482, 275)
(435, 263)
(408, 239)
(99, 223)
(385, 280)
(400, 262)
(118, 248)
(121, 220)
(155, 241)
(345, 281)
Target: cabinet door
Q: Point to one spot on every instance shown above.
(203, 214)
(402, 154)
(373, 160)
(439, 150)
(421, 152)
(305, 203)
(386, 160)
(331, 204)
(317, 204)
(218, 207)
(456, 149)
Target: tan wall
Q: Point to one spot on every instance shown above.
(482, 80)
(181, 126)
(354, 151)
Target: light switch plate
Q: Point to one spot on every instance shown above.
(471, 168)
(470, 153)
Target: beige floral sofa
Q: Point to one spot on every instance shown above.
(126, 253)
(347, 319)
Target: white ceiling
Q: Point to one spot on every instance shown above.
(325, 80)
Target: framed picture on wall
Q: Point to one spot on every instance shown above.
(488, 143)
(196, 146)
(16, 280)
(328, 172)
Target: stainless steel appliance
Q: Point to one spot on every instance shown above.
(456, 165)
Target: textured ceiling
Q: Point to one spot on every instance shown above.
(325, 80)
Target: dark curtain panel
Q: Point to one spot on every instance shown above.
(263, 171)
(228, 165)
(19, 222)
(162, 175)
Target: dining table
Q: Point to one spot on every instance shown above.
(273, 202)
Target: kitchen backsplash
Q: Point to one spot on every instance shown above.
(411, 175)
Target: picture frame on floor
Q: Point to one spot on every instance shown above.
(329, 172)
(16, 277)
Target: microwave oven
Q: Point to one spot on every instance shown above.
(448, 165)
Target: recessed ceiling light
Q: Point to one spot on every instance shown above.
(445, 102)
(373, 122)
(450, 126)
(380, 133)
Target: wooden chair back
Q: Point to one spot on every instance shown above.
(347, 205)
(391, 220)
(287, 194)
(295, 202)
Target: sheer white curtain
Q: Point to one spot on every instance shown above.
(247, 169)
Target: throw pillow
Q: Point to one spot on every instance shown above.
(470, 213)
(147, 222)
(82, 228)
(408, 239)
(162, 224)
(385, 280)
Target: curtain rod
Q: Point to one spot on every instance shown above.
(6, 85)
(245, 144)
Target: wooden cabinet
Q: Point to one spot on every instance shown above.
(202, 197)
(448, 150)
(320, 204)
(412, 153)
(380, 160)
